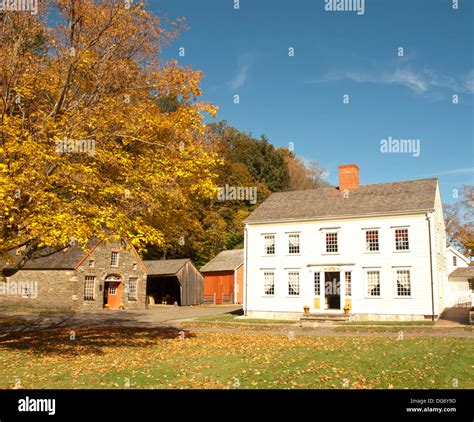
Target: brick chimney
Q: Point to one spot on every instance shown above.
(348, 177)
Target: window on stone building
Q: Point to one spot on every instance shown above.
(114, 259)
(132, 288)
(89, 287)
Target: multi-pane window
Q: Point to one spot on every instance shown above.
(113, 289)
(269, 283)
(89, 287)
(348, 280)
(331, 242)
(401, 240)
(294, 243)
(455, 261)
(269, 240)
(114, 259)
(132, 288)
(373, 283)
(403, 283)
(372, 240)
(293, 283)
(317, 284)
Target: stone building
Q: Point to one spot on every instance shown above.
(106, 274)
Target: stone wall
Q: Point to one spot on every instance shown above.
(46, 288)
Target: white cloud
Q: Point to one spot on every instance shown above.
(468, 170)
(244, 63)
(418, 81)
(240, 77)
(469, 82)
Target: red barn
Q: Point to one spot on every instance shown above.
(224, 278)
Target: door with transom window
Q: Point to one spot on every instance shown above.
(113, 291)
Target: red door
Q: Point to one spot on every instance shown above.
(113, 287)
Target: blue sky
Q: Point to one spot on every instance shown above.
(299, 98)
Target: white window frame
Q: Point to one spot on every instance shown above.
(317, 279)
(367, 249)
(395, 229)
(272, 283)
(331, 232)
(265, 247)
(289, 274)
(87, 289)
(367, 291)
(395, 275)
(132, 293)
(112, 259)
(348, 291)
(296, 246)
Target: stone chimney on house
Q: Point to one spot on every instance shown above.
(348, 177)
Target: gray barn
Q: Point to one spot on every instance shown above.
(174, 280)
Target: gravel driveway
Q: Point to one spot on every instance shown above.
(156, 316)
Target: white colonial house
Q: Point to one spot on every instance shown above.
(379, 249)
(460, 278)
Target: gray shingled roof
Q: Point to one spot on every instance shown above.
(463, 272)
(225, 261)
(47, 259)
(165, 266)
(413, 195)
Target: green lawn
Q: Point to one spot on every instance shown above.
(116, 358)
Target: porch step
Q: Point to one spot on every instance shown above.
(325, 317)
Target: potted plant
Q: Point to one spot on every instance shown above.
(121, 306)
(347, 309)
(306, 310)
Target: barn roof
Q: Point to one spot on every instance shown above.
(463, 272)
(330, 202)
(225, 261)
(165, 266)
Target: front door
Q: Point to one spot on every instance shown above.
(332, 290)
(113, 292)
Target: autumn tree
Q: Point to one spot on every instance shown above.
(302, 174)
(459, 219)
(99, 137)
